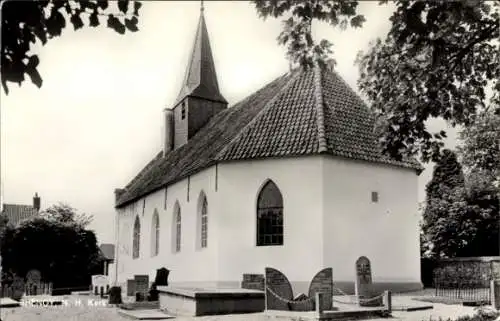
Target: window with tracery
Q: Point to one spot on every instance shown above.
(270, 216)
(155, 234)
(136, 238)
(177, 216)
(204, 222)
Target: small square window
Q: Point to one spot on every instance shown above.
(183, 110)
(374, 197)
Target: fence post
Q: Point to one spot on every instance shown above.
(495, 294)
(387, 300)
(319, 305)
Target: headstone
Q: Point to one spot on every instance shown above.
(139, 297)
(495, 294)
(33, 282)
(162, 276)
(323, 282)
(130, 287)
(34, 276)
(363, 284)
(253, 282)
(153, 293)
(278, 290)
(99, 282)
(142, 284)
(115, 295)
(17, 288)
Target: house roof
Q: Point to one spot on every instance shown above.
(108, 251)
(16, 213)
(200, 79)
(304, 112)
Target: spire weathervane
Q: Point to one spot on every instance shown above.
(201, 6)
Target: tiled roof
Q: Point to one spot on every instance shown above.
(108, 251)
(18, 213)
(301, 113)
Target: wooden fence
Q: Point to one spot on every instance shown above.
(465, 291)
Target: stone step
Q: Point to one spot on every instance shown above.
(145, 314)
(145, 305)
(353, 314)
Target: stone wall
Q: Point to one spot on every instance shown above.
(473, 270)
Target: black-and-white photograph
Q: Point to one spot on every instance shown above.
(250, 160)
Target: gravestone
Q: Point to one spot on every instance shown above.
(142, 285)
(162, 276)
(323, 282)
(115, 295)
(33, 282)
(17, 288)
(278, 290)
(99, 282)
(363, 285)
(130, 287)
(253, 282)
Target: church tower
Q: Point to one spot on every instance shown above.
(199, 98)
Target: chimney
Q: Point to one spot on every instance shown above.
(36, 202)
(168, 130)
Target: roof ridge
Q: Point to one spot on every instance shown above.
(320, 117)
(271, 101)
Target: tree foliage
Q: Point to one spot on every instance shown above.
(461, 216)
(65, 254)
(480, 146)
(436, 61)
(444, 195)
(26, 22)
(448, 173)
(296, 34)
(64, 213)
(4, 221)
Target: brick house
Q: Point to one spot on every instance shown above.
(292, 177)
(16, 213)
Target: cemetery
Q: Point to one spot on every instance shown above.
(267, 295)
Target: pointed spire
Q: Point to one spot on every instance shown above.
(200, 79)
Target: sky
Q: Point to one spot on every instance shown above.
(96, 121)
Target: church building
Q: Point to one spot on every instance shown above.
(291, 177)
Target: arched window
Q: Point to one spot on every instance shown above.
(155, 234)
(202, 221)
(176, 228)
(269, 215)
(136, 238)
